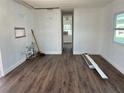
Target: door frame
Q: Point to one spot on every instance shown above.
(67, 13)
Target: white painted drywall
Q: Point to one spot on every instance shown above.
(86, 30)
(48, 30)
(110, 50)
(12, 50)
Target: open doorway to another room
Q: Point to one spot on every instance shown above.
(67, 31)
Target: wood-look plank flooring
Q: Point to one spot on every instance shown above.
(65, 73)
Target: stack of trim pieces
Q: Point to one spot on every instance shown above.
(92, 65)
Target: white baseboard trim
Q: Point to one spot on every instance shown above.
(119, 68)
(80, 53)
(53, 52)
(114, 65)
(14, 66)
(77, 53)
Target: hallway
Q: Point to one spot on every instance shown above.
(67, 48)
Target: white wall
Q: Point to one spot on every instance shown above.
(112, 51)
(48, 30)
(12, 50)
(86, 30)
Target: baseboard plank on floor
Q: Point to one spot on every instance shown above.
(96, 67)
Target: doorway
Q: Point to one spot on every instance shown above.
(67, 32)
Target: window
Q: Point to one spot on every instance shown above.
(119, 28)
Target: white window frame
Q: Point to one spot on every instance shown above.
(114, 28)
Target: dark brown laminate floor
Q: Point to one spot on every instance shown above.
(62, 74)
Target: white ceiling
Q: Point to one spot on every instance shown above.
(66, 3)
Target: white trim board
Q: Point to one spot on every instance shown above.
(101, 73)
(14, 66)
(53, 52)
(77, 52)
(89, 65)
(120, 69)
(82, 52)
